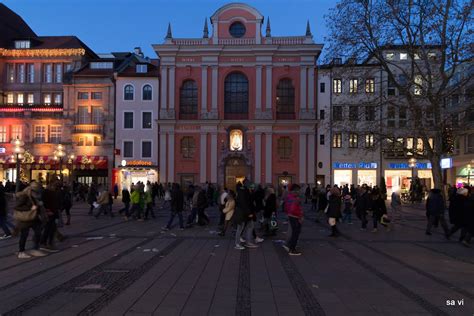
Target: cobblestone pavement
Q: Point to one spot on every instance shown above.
(112, 267)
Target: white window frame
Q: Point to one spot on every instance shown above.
(57, 134)
(143, 86)
(123, 148)
(3, 133)
(133, 120)
(140, 67)
(45, 132)
(141, 119)
(123, 92)
(17, 132)
(151, 148)
(337, 86)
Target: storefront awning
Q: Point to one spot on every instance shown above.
(463, 172)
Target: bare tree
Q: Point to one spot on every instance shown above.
(436, 35)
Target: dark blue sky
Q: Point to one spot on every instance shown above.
(120, 25)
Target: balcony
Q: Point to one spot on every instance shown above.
(188, 116)
(87, 129)
(236, 116)
(285, 115)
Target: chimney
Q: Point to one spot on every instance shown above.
(137, 50)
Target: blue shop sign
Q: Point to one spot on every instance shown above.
(404, 165)
(353, 165)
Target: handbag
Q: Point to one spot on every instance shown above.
(26, 216)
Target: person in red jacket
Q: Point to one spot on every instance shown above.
(295, 217)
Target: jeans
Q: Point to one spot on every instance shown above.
(135, 208)
(36, 238)
(363, 218)
(149, 209)
(180, 217)
(192, 216)
(247, 230)
(4, 226)
(104, 208)
(49, 230)
(347, 217)
(442, 221)
(295, 232)
(126, 208)
(202, 217)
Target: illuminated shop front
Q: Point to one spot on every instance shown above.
(355, 173)
(398, 176)
(134, 171)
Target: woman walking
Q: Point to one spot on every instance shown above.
(269, 210)
(295, 217)
(379, 210)
(228, 211)
(177, 205)
(334, 210)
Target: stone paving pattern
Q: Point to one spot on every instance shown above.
(111, 267)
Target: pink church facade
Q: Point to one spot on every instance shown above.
(238, 104)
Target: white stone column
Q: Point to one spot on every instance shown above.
(171, 88)
(204, 89)
(258, 89)
(258, 158)
(164, 91)
(214, 89)
(268, 88)
(171, 156)
(268, 157)
(303, 88)
(202, 158)
(302, 160)
(163, 155)
(214, 157)
(311, 89)
(311, 162)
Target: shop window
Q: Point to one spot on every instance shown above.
(147, 93)
(188, 100)
(236, 96)
(83, 95)
(188, 147)
(322, 87)
(337, 140)
(285, 99)
(146, 120)
(337, 113)
(353, 113)
(353, 86)
(369, 140)
(337, 86)
(353, 140)
(285, 145)
(40, 134)
(370, 113)
(128, 92)
(146, 149)
(370, 85)
(3, 134)
(128, 120)
(128, 149)
(55, 132)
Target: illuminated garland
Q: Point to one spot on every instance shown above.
(42, 52)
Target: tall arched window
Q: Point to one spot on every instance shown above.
(147, 93)
(128, 92)
(188, 100)
(236, 96)
(285, 99)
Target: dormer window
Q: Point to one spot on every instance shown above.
(141, 68)
(237, 29)
(101, 65)
(22, 44)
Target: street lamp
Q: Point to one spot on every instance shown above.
(59, 153)
(18, 150)
(412, 165)
(468, 174)
(71, 162)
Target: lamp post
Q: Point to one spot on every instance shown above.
(18, 150)
(71, 162)
(412, 165)
(59, 153)
(468, 174)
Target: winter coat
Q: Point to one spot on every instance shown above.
(362, 203)
(270, 205)
(66, 199)
(177, 201)
(378, 207)
(242, 206)
(434, 204)
(293, 205)
(396, 201)
(456, 210)
(52, 201)
(125, 196)
(201, 200)
(334, 208)
(24, 202)
(148, 197)
(229, 209)
(135, 197)
(103, 198)
(91, 195)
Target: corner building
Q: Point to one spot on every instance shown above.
(237, 103)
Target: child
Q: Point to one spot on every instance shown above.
(347, 209)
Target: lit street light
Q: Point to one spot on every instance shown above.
(59, 154)
(468, 174)
(18, 150)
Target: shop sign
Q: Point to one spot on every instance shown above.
(353, 165)
(446, 163)
(138, 163)
(404, 165)
(2, 150)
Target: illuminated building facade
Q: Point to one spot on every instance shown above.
(237, 103)
(33, 70)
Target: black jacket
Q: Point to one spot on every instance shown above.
(125, 196)
(334, 209)
(177, 200)
(435, 204)
(362, 203)
(456, 207)
(242, 206)
(270, 206)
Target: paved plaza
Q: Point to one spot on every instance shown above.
(112, 267)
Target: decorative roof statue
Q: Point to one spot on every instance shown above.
(205, 32)
(308, 30)
(268, 31)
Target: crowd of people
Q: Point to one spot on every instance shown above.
(250, 211)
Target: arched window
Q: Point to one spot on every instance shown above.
(188, 147)
(147, 93)
(128, 92)
(188, 100)
(236, 96)
(285, 147)
(285, 99)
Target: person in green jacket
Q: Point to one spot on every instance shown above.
(135, 200)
